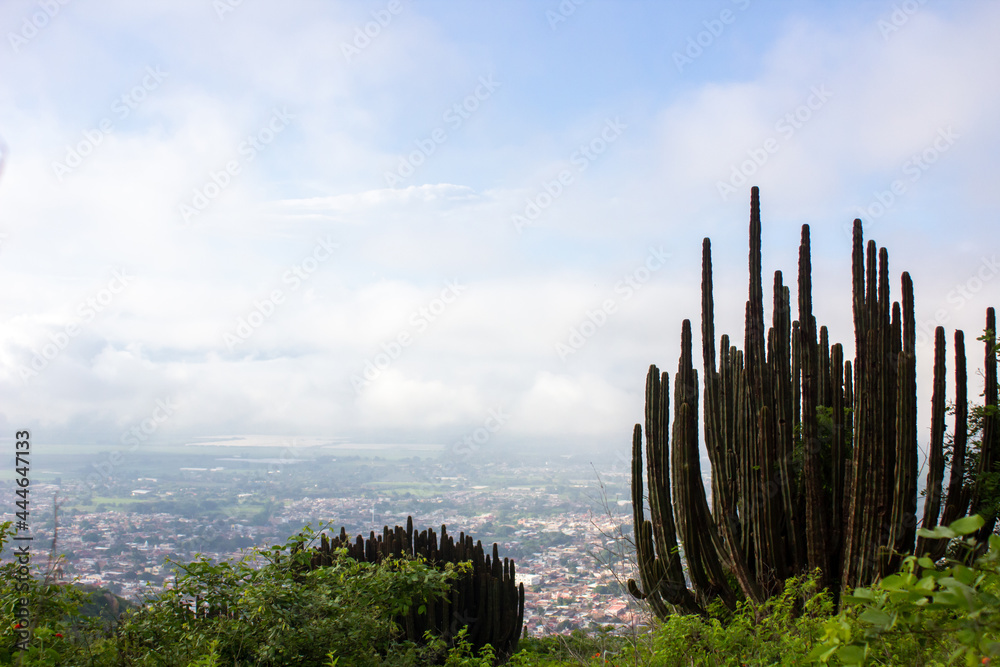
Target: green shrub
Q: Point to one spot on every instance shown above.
(782, 630)
(270, 608)
(61, 634)
(924, 614)
(267, 608)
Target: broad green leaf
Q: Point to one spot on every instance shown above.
(851, 655)
(966, 636)
(951, 598)
(967, 524)
(876, 618)
(852, 599)
(938, 532)
(900, 596)
(924, 561)
(955, 584)
(964, 574)
(821, 653)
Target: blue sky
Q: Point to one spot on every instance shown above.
(235, 209)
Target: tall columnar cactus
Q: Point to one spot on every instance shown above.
(486, 600)
(990, 452)
(813, 456)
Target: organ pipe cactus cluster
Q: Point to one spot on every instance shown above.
(486, 600)
(813, 456)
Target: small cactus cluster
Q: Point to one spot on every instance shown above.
(486, 600)
(813, 457)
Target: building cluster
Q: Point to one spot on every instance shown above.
(579, 584)
(572, 562)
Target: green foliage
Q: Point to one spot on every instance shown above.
(576, 648)
(270, 608)
(61, 634)
(104, 605)
(989, 481)
(210, 660)
(924, 614)
(462, 653)
(825, 438)
(782, 630)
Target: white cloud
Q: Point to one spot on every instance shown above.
(567, 406)
(323, 176)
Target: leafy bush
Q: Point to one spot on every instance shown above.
(267, 608)
(270, 608)
(578, 647)
(62, 635)
(783, 630)
(924, 614)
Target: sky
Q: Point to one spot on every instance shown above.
(401, 222)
